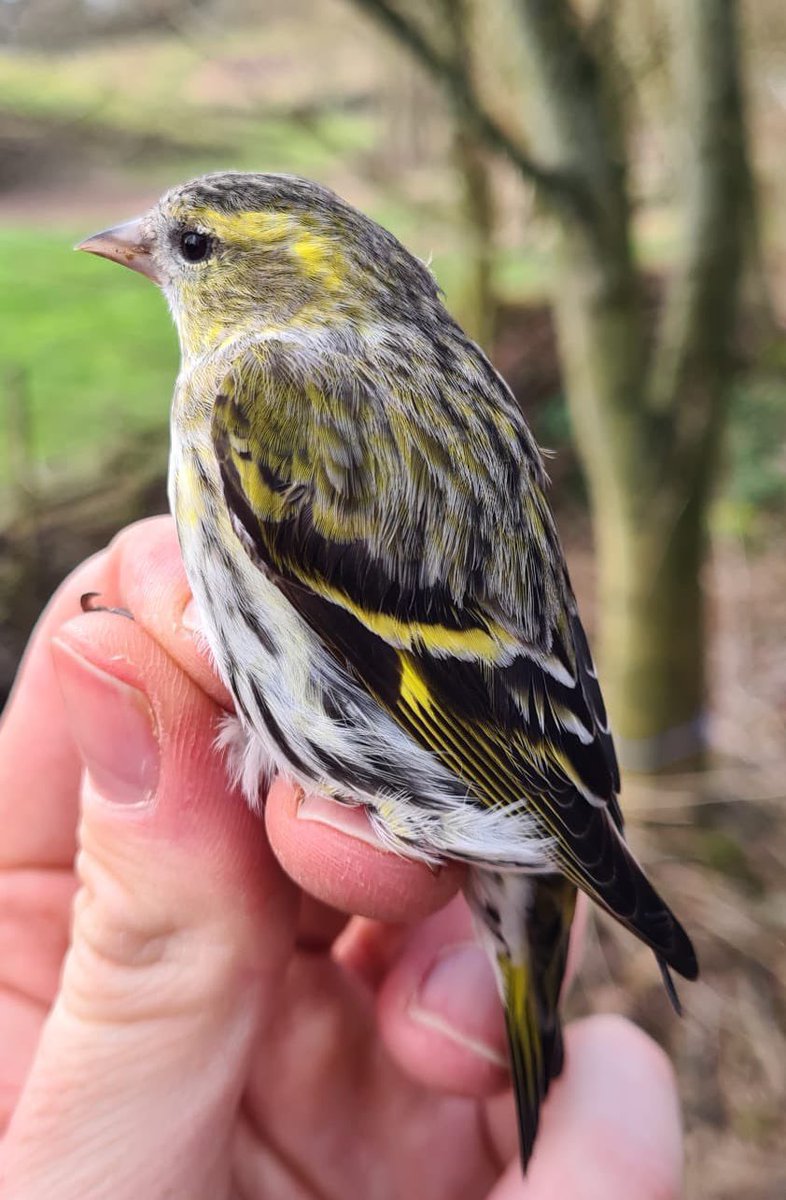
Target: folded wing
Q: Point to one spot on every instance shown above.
(430, 567)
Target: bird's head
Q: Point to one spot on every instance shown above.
(238, 251)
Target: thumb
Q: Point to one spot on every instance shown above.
(182, 926)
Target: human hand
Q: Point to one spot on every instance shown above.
(211, 1025)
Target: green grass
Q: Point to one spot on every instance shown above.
(94, 344)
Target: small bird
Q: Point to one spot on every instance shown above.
(362, 515)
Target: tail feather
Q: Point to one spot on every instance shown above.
(535, 1046)
(668, 983)
(526, 923)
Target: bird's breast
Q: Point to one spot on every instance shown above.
(266, 654)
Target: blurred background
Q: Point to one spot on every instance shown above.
(599, 189)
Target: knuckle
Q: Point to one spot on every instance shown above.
(136, 954)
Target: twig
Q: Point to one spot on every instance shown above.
(557, 187)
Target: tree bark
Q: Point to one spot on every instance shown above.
(651, 642)
(477, 304)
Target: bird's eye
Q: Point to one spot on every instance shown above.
(195, 246)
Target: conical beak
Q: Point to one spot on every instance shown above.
(127, 245)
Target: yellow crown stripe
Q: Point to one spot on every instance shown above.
(319, 255)
(267, 227)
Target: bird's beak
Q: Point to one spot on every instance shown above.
(125, 244)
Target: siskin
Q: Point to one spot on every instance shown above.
(362, 515)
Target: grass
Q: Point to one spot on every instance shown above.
(93, 344)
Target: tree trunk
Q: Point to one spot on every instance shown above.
(651, 643)
(477, 306)
(649, 475)
(649, 535)
(477, 303)
(648, 413)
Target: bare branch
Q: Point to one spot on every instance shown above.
(597, 298)
(473, 159)
(574, 125)
(556, 186)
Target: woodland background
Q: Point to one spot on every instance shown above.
(599, 188)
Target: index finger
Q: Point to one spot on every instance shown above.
(140, 571)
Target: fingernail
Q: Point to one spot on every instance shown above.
(347, 818)
(190, 619)
(113, 725)
(459, 999)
